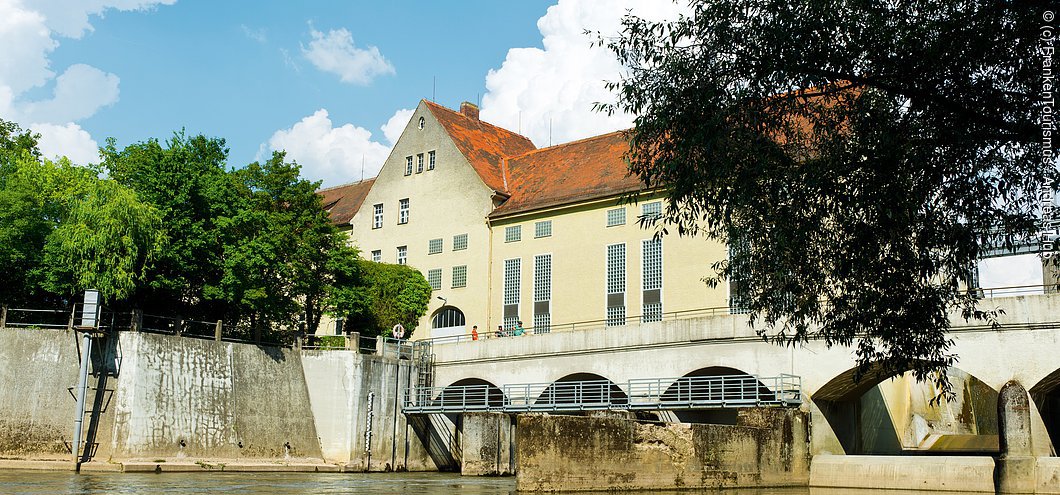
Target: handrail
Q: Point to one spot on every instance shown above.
(986, 293)
(696, 392)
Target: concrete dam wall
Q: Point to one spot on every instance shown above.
(155, 396)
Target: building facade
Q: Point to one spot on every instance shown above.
(508, 233)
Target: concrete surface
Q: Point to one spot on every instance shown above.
(941, 473)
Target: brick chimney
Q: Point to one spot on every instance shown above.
(469, 110)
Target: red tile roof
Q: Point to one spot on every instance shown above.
(568, 173)
(342, 202)
(483, 144)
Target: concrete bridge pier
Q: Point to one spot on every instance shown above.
(487, 444)
(1015, 470)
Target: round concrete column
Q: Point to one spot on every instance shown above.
(1015, 470)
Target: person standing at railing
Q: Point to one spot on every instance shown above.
(500, 331)
(474, 332)
(518, 331)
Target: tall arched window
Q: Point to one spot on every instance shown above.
(448, 317)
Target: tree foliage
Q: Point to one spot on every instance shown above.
(859, 157)
(393, 294)
(64, 229)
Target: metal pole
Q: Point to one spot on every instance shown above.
(82, 388)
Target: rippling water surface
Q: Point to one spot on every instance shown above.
(41, 482)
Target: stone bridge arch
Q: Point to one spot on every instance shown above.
(590, 389)
(894, 414)
(477, 392)
(684, 387)
(1046, 396)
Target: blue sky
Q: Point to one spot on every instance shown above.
(330, 82)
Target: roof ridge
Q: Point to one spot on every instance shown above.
(568, 143)
(495, 126)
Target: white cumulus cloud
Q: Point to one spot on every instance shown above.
(79, 92)
(393, 128)
(335, 52)
(29, 33)
(328, 153)
(552, 90)
(68, 140)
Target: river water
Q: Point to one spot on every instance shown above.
(56, 483)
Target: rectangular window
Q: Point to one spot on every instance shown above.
(459, 276)
(651, 279)
(434, 278)
(377, 256)
(511, 292)
(513, 233)
(543, 229)
(408, 165)
(738, 249)
(434, 246)
(377, 217)
(419, 163)
(616, 284)
(403, 211)
(542, 293)
(459, 242)
(651, 211)
(430, 160)
(402, 254)
(616, 216)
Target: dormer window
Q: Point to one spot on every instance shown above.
(421, 123)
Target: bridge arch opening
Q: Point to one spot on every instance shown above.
(1046, 395)
(731, 384)
(591, 391)
(473, 394)
(894, 414)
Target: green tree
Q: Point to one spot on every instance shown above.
(63, 229)
(861, 155)
(105, 240)
(394, 294)
(286, 263)
(187, 181)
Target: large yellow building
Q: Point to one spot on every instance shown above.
(507, 233)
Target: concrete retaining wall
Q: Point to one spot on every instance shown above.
(175, 397)
(219, 399)
(961, 474)
(339, 384)
(766, 448)
(36, 411)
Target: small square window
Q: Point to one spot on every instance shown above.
(651, 211)
(419, 163)
(459, 276)
(377, 256)
(459, 242)
(513, 233)
(434, 246)
(543, 229)
(403, 211)
(402, 255)
(616, 216)
(408, 165)
(377, 216)
(434, 278)
(430, 160)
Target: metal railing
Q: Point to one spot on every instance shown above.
(984, 292)
(698, 392)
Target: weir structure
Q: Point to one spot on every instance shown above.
(464, 405)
